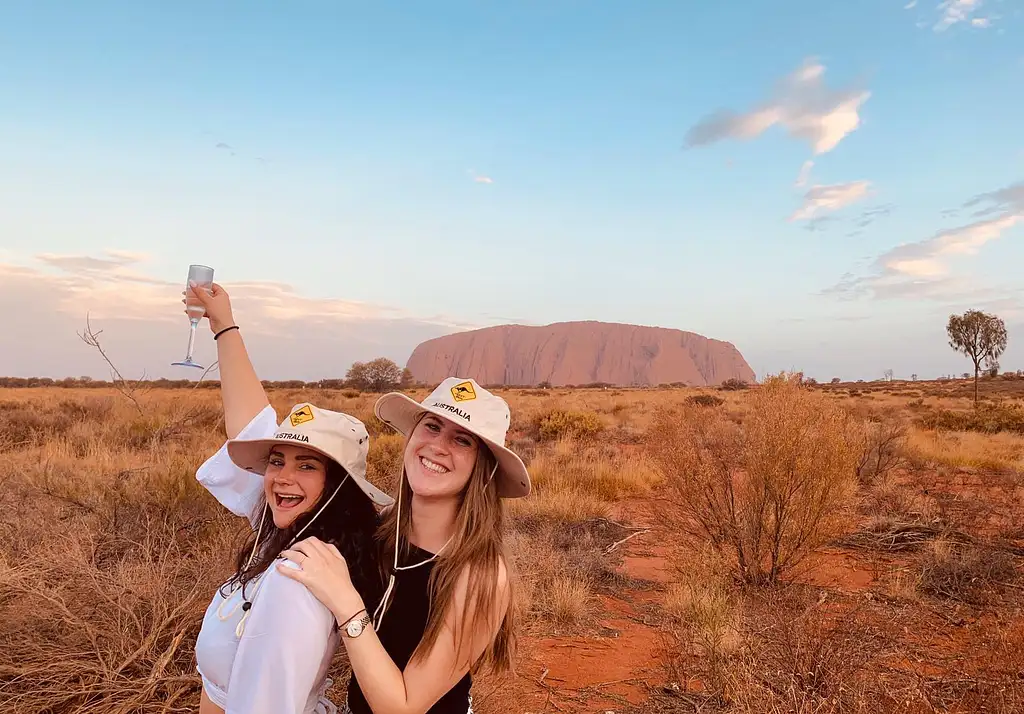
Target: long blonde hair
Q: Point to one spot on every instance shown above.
(477, 544)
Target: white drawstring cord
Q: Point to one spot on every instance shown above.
(247, 604)
(378, 614)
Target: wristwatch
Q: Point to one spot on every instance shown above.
(354, 628)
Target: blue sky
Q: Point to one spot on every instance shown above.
(381, 173)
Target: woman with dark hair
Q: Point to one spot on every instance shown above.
(266, 642)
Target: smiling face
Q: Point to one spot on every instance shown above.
(439, 458)
(293, 482)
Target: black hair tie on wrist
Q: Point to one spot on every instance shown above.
(226, 329)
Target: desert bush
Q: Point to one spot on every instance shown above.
(798, 659)
(107, 565)
(560, 424)
(989, 419)
(964, 572)
(882, 443)
(733, 385)
(705, 400)
(767, 491)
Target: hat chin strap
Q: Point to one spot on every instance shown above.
(378, 614)
(292, 542)
(240, 627)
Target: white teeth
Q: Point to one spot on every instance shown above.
(431, 466)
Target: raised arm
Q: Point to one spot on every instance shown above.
(247, 412)
(241, 391)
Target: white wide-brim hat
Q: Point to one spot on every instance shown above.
(473, 409)
(338, 436)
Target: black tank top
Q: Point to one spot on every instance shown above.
(401, 630)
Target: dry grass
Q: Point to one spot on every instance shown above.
(109, 549)
(970, 450)
(965, 572)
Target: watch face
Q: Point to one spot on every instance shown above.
(354, 628)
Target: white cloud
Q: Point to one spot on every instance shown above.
(922, 269)
(910, 5)
(830, 198)
(479, 177)
(800, 103)
(293, 336)
(805, 174)
(953, 12)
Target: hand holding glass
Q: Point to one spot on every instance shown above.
(202, 276)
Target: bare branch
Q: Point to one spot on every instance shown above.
(126, 389)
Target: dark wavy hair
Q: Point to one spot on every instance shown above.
(349, 522)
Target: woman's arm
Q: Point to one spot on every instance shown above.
(281, 654)
(387, 689)
(241, 391)
(235, 488)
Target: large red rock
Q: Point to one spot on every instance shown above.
(579, 353)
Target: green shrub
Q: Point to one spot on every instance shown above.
(559, 424)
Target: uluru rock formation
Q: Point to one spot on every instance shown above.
(579, 353)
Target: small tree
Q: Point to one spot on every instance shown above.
(408, 380)
(979, 336)
(356, 376)
(383, 375)
(888, 374)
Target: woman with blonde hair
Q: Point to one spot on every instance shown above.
(447, 606)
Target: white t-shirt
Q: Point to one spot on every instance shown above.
(279, 664)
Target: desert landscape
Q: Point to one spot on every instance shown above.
(774, 547)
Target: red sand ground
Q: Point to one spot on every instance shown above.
(622, 666)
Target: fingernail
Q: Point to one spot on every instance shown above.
(192, 283)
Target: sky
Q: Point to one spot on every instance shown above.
(819, 183)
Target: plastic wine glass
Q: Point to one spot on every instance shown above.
(202, 276)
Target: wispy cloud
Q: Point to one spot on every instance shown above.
(805, 174)
(870, 215)
(479, 177)
(922, 269)
(800, 103)
(299, 336)
(953, 12)
(820, 223)
(118, 266)
(830, 198)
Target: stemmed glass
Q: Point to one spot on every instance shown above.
(202, 276)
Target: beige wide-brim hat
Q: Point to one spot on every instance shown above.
(338, 436)
(474, 409)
